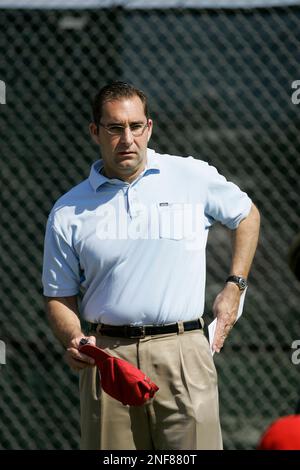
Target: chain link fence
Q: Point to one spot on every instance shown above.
(220, 85)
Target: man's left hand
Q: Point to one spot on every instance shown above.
(225, 309)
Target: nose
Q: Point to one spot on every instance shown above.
(127, 136)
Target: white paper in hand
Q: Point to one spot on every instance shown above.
(213, 324)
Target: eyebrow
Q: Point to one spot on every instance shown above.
(122, 124)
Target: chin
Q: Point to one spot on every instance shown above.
(128, 163)
(127, 168)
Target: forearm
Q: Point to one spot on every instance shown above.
(244, 243)
(65, 324)
(226, 305)
(63, 318)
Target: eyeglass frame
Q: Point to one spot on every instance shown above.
(123, 128)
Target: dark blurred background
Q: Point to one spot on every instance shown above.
(219, 84)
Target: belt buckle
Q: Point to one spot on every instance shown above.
(135, 332)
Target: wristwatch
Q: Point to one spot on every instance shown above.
(241, 282)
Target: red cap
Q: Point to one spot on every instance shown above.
(120, 379)
(283, 434)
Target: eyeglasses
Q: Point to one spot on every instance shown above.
(136, 129)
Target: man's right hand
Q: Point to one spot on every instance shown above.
(75, 359)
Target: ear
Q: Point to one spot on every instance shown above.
(150, 128)
(94, 133)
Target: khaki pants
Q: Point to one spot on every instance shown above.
(184, 414)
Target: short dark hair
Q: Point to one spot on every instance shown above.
(115, 91)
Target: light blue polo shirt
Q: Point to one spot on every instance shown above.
(137, 251)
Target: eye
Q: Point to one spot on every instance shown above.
(116, 129)
(136, 127)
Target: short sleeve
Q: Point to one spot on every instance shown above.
(61, 271)
(225, 202)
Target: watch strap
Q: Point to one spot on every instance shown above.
(240, 281)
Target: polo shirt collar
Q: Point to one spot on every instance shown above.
(96, 179)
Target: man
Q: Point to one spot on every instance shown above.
(132, 238)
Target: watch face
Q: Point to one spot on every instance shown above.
(242, 283)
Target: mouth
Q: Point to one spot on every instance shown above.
(125, 154)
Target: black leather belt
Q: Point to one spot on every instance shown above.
(137, 332)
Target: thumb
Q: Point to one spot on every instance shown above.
(87, 340)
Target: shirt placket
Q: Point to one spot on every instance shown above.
(133, 203)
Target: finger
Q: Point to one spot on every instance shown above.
(78, 356)
(227, 330)
(219, 332)
(219, 343)
(92, 340)
(219, 338)
(223, 329)
(77, 365)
